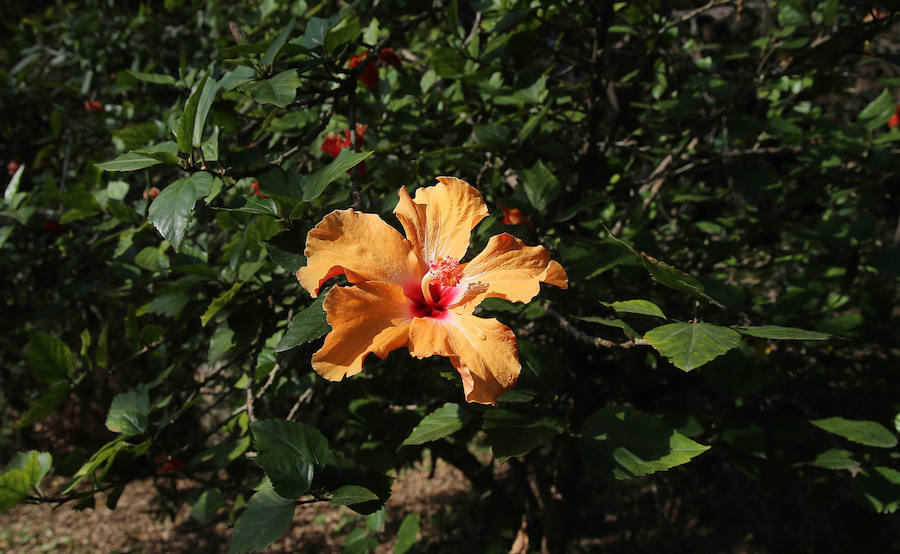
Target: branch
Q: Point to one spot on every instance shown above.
(584, 337)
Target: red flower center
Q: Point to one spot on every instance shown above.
(437, 290)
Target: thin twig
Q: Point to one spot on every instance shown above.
(307, 394)
(584, 337)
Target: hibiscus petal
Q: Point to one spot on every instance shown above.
(368, 318)
(508, 269)
(556, 275)
(441, 217)
(360, 245)
(412, 218)
(484, 351)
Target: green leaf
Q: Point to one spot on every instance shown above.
(878, 111)
(666, 275)
(185, 132)
(289, 454)
(13, 187)
(236, 77)
(314, 35)
(23, 473)
(642, 307)
(258, 205)
(128, 162)
(266, 518)
(50, 358)
(155, 78)
(342, 34)
(541, 186)
(171, 211)
(46, 403)
(690, 345)
(358, 542)
(407, 533)
(205, 508)
(447, 62)
(784, 333)
(865, 432)
(278, 43)
(128, 413)
(103, 457)
(277, 249)
(308, 325)
(878, 488)
(315, 183)
(35, 464)
(151, 259)
(835, 459)
(219, 302)
(375, 520)
(514, 434)
(440, 423)
(492, 136)
(207, 96)
(627, 443)
(618, 323)
(280, 90)
(352, 494)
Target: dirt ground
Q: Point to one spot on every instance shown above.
(137, 526)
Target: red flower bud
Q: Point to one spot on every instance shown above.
(12, 167)
(895, 119)
(92, 106)
(171, 465)
(514, 216)
(388, 57)
(51, 227)
(369, 75)
(254, 190)
(151, 193)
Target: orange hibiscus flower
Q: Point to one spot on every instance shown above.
(413, 291)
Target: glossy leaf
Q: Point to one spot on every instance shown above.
(128, 162)
(407, 534)
(878, 111)
(207, 96)
(289, 454)
(783, 333)
(185, 132)
(352, 494)
(515, 434)
(315, 183)
(278, 43)
(50, 358)
(128, 413)
(627, 443)
(865, 432)
(440, 423)
(690, 345)
(23, 473)
(541, 186)
(279, 90)
(266, 518)
(642, 307)
(220, 302)
(171, 211)
(205, 508)
(308, 325)
(835, 459)
(878, 488)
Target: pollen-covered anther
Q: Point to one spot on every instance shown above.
(446, 271)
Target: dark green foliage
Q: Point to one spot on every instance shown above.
(718, 181)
